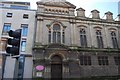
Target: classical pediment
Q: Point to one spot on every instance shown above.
(56, 3)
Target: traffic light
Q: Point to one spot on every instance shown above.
(14, 41)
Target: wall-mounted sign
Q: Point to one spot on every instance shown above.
(39, 74)
(39, 67)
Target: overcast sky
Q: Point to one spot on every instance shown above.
(101, 5)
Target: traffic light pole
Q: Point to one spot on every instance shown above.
(20, 63)
(15, 51)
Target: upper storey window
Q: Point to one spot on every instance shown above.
(24, 29)
(6, 28)
(114, 39)
(9, 15)
(25, 16)
(99, 39)
(56, 34)
(18, 7)
(83, 38)
(3, 43)
(1, 5)
(23, 46)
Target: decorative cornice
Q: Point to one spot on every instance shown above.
(81, 19)
(77, 48)
(109, 50)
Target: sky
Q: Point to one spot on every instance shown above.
(101, 5)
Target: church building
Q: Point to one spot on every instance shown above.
(59, 41)
(71, 45)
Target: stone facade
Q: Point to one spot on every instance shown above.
(68, 45)
(74, 45)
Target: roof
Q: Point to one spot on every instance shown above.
(56, 3)
(80, 9)
(14, 2)
(95, 11)
(109, 13)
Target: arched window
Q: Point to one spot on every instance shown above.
(99, 39)
(56, 35)
(114, 39)
(83, 38)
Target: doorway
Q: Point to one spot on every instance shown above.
(56, 67)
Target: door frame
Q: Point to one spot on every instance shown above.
(56, 61)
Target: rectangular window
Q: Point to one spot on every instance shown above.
(3, 45)
(117, 60)
(85, 60)
(54, 37)
(99, 39)
(114, 39)
(63, 37)
(58, 37)
(1, 5)
(18, 7)
(6, 28)
(83, 38)
(23, 46)
(9, 15)
(49, 36)
(25, 16)
(24, 29)
(103, 60)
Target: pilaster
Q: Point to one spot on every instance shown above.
(119, 37)
(91, 34)
(72, 31)
(39, 33)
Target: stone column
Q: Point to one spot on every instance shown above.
(72, 30)
(119, 31)
(39, 31)
(51, 36)
(106, 37)
(71, 33)
(75, 37)
(61, 33)
(47, 72)
(119, 37)
(91, 44)
(65, 69)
